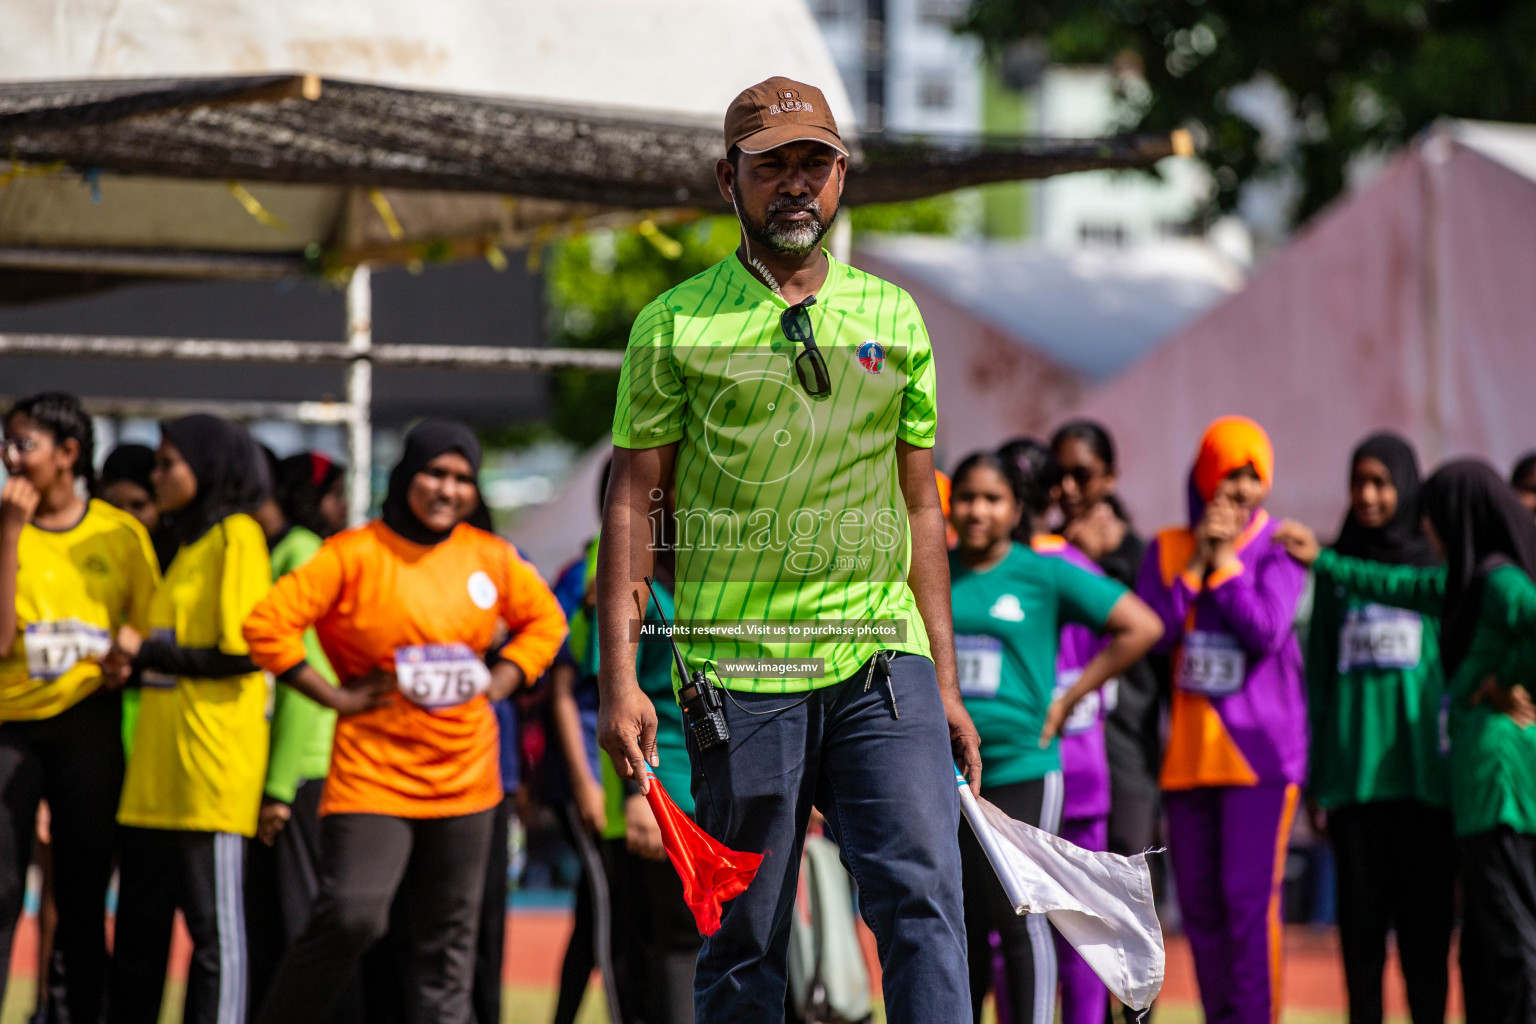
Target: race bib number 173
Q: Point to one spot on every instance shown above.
(440, 675)
(53, 648)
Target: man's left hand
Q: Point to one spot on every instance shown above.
(964, 742)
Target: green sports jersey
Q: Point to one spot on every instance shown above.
(788, 506)
(1008, 622)
(1493, 759)
(301, 729)
(1377, 701)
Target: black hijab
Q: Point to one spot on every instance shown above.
(1483, 527)
(300, 481)
(426, 441)
(230, 468)
(1401, 541)
(131, 462)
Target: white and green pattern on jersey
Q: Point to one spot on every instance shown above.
(788, 507)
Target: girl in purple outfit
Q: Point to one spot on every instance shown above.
(1237, 744)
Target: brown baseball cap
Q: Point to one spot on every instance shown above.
(779, 111)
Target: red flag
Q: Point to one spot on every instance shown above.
(711, 873)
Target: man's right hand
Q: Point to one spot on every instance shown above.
(626, 728)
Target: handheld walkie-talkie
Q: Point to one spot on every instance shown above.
(703, 708)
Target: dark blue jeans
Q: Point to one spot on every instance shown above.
(886, 785)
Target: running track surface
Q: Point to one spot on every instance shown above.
(1314, 978)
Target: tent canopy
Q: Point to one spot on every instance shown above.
(162, 137)
(302, 130)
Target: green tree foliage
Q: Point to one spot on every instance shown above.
(596, 284)
(936, 215)
(1363, 76)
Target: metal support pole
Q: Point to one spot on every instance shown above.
(840, 239)
(359, 396)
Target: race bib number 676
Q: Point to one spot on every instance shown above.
(440, 675)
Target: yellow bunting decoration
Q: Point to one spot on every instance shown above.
(253, 207)
(20, 170)
(386, 214)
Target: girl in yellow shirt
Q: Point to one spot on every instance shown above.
(195, 775)
(72, 571)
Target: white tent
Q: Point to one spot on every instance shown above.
(1020, 331)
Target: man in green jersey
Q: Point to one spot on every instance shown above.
(788, 401)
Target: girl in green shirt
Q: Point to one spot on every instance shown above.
(1486, 598)
(1376, 696)
(1009, 605)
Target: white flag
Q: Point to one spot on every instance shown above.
(1100, 902)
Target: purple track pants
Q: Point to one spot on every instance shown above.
(1228, 845)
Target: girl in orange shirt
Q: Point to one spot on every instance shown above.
(406, 608)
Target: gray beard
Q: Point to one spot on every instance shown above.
(789, 239)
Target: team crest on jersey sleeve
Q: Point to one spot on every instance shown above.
(872, 356)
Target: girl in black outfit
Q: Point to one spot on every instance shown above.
(1097, 525)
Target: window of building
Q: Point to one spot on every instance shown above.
(935, 92)
(941, 12)
(1178, 229)
(1108, 233)
(827, 11)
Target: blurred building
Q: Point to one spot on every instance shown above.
(907, 71)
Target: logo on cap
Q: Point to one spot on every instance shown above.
(790, 101)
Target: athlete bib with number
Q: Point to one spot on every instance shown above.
(1213, 664)
(1085, 713)
(979, 664)
(1375, 636)
(440, 675)
(53, 648)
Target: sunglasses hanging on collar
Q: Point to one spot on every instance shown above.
(810, 364)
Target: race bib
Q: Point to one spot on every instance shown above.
(53, 648)
(1213, 664)
(1375, 636)
(440, 675)
(1085, 713)
(979, 663)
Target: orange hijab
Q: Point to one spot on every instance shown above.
(1230, 443)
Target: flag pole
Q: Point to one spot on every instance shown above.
(1017, 897)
